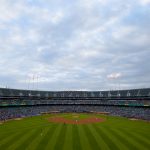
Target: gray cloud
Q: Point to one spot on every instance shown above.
(75, 46)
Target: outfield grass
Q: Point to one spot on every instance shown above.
(37, 133)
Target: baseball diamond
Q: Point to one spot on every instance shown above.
(74, 120)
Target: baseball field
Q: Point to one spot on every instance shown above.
(75, 132)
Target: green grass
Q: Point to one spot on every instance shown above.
(37, 133)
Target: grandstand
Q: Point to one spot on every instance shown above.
(134, 103)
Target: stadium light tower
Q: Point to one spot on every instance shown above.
(38, 79)
(33, 81)
(28, 82)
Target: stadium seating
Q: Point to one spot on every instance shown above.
(129, 103)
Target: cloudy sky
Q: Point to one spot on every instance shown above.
(75, 44)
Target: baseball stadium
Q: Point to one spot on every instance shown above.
(74, 74)
(74, 120)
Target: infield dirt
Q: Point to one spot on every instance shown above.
(76, 121)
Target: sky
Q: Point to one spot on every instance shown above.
(75, 44)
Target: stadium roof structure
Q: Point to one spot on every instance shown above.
(114, 93)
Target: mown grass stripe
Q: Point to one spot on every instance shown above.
(44, 142)
(52, 142)
(76, 138)
(8, 137)
(137, 131)
(84, 141)
(11, 141)
(99, 139)
(16, 129)
(28, 140)
(138, 139)
(61, 138)
(105, 137)
(20, 140)
(115, 139)
(38, 138)
(125, 140)
(91, 138)
(69, 136)
(5, 137)
(144, 135)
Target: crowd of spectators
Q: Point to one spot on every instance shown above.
(18, 112)
(78, 102)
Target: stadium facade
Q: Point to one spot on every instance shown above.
(134, 103)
